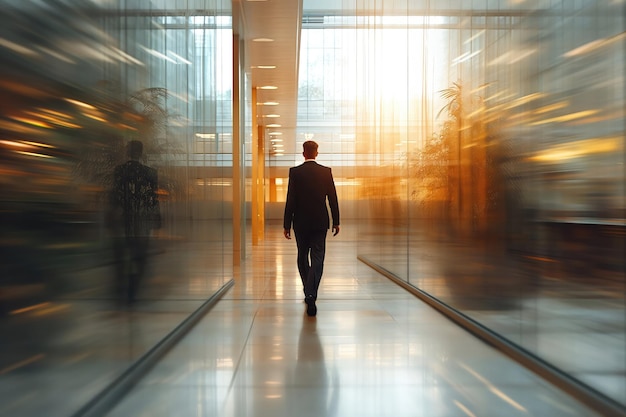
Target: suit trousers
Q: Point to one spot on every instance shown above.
(311, 251)
(131, 259)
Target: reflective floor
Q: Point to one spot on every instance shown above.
(373, 350)
(59, 352)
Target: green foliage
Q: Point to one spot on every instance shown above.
(454, 97)
(429, 168)
(143, 116)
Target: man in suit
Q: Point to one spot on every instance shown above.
(134, 214)
(310, 184)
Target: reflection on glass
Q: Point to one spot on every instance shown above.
(79, 81)
(486, 155)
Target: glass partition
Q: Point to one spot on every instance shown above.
(481, 148)
(100, 258)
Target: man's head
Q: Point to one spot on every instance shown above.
(135, 150)
(310, 149)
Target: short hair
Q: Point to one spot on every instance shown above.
(135, 149)
(310, 148)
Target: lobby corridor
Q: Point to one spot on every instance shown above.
(372, 350)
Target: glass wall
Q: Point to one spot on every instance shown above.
(100, 259)
(480, 146)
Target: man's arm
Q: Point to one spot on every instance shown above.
(289, 208)
(155, 208)
(334, 204)
(115, 205)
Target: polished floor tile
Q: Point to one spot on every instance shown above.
(373, 350)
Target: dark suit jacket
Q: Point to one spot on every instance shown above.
(310, 184)
(134, 199)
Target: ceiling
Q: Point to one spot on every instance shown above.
(271, 33)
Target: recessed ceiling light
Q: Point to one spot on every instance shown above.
(275, 140)
(268, 87)
(262, 40)
(270, 103)
(272, 115)
(275, 133)
(263, 67)
(274, 125)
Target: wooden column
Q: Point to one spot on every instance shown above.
(261, 184)
(237, 157)
(258, 175)
(256, 181)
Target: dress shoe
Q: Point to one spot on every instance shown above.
(311, 308)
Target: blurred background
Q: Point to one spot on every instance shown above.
(477, 147)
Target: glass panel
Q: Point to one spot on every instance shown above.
(481, 145)
(78, 222)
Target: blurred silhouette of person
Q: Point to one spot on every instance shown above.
(134, 213)
(310, 184)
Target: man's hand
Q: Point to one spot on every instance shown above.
(335, 230)
(287, 233)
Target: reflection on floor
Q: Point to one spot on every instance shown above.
(373, 350)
